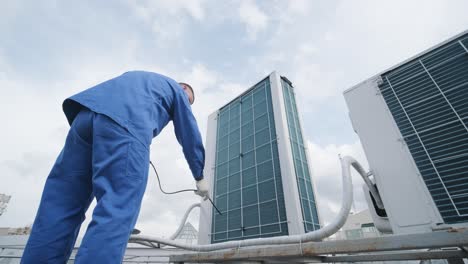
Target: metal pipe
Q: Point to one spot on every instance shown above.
(371, 245)
(330, 229)
(400, 255)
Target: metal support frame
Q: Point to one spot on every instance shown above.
(404, 255)
(393, 247)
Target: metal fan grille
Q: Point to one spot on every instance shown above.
(428, 98)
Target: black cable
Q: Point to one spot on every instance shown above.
(184, 190)
(159, 182)
(211, 201)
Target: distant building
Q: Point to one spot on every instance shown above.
(15, 231)
(412, 120)
(4, 199)
(358, 225)
(188, 235)
(257, 162)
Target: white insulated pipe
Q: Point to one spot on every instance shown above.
(184, 219)
(326, 231)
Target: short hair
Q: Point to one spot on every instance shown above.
(191, 89)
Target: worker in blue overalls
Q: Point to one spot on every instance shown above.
(106, 156)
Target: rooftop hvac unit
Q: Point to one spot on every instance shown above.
(257, 163)
(413, 124)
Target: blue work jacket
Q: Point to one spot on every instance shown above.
(143, 103)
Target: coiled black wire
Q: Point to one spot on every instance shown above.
(180, 191)
(159, 182)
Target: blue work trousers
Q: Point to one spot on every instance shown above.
(100, 160)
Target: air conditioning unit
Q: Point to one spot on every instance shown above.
(413, 124)
(258, 165)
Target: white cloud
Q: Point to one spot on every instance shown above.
(307, 49)
(169, 19)
(201, 78)
(168, 31)
(384, 33)
(299, 7)
(148, 9)
(313, 82)
(254, 19)
(356, 39)
(289, 12)
(329, 36)
(194, 8)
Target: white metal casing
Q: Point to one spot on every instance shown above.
(204, 228)
(407, 201)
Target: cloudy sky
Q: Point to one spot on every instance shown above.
(50, 50)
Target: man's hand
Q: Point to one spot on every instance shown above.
(203, 189)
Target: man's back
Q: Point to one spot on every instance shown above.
(139, 101)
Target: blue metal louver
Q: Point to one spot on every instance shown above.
(247, 184)
(428, 99)
(301, 167)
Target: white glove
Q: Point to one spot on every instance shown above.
(203, 189)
